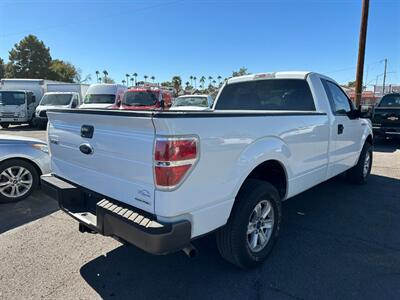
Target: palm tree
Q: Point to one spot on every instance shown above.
(127, 78)
(191, 80)
(202, 81)
(123, 81)
(135, 75)
(214, 82)
(97, 75)
(145, 78)
(187, 83)
(105, 75)
(195, 83)
(132, 79)
(219, 79)
(153, 78)
(210, 78)
(99, 79)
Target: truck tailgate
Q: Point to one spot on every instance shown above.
(116, 161)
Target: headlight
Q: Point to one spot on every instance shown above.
(42, 147)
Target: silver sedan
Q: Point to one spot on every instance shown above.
(22, 161)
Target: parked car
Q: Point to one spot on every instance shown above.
(142, 98)
(192, 102)
(386, 120)
(103, 95)
(55, 100)
(22, 161)
(158, 179)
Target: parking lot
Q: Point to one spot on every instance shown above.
(338, 241)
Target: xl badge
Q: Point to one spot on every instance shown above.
(393, 118)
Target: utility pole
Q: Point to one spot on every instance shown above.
(361, 50)
(384, 78)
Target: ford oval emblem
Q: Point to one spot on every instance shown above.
(86, 149)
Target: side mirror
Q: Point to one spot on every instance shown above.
(366, 111)
(162, 104)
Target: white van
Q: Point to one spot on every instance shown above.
(104, 95)
(55, 100)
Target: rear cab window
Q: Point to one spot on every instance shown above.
(269, 94)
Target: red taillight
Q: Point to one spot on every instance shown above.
(173, 158)
(175, 150)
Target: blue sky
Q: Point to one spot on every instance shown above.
(166, 38)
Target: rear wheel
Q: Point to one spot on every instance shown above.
(18, 179)
(360, 172)
(253, 227)
(5, 125)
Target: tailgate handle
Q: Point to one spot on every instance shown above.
(86, 149)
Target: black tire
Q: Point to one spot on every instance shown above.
(232, 239)
(5, 125)
(357, 175)
(19, 163)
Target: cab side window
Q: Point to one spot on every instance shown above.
(340, 103)
(30, 98)
(75, 101)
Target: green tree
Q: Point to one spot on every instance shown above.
(135, 75)
(30, 58)
(195, 83)
(191, 80)
(123, 81)
(219, 79)
(351, 84)
(97, 75)
(177, 83)
(2, 68)
(202, 81)
(145, 78)
(105, 76)
(242, 71)
(107, 79)
(132, 80)
(166, 84)
(153, 78)
(127, 78)
(63, 71)
(210, 79)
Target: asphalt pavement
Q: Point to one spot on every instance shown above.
(338, 241)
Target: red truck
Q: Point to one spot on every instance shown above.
(143, 98)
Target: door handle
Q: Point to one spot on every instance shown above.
(340, 129)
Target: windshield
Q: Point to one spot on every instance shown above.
(56, 99)
(99, 98)
(191, 101)
(390, 101)
(139, 98)
(12, 98)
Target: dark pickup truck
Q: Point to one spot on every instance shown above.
(386, 121)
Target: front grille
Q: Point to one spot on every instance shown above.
(7, 114)
(43, 114)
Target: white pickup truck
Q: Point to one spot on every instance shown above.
(159, 179)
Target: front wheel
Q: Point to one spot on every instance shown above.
(360, 172)
(18, 179)
(5, 125)
(253, 227)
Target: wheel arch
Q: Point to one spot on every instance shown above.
(27, 160)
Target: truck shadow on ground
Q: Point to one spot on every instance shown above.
(386, 145)
(337, 241)
(19, 213)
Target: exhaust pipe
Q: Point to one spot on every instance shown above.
(190, 251)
